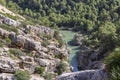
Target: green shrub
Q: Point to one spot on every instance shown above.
(115, 72)
(16, 52)
(62, 67)
(8, 40)
(113, 63)
(49, 76)
(9, 28)
(113, 60)
(47, 36)
(40, 70)
(58, 38)
(1, 43)
(22, 75)
(45, 43)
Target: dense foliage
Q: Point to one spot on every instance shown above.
(22, 75)
(86, 15)
(113, 63)
(62, 67)
(40, 70)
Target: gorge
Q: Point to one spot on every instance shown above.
(68, 37)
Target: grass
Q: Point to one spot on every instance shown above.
(10, 16)
(9, 28)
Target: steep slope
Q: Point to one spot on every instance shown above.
(30, 51)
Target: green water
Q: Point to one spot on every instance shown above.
(67, 37)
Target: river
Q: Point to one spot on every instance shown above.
(67, 37)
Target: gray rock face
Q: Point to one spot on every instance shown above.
(9, 21)
(8, 65)
(35, 54)
(37, 30)
(85, 75)
(26, 42)
(28, 64)
(90, 59)
(6, 76)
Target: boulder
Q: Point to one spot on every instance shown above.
(77, 40)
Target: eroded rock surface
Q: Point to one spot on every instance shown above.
(28, 53)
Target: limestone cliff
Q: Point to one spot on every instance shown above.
(32, 48)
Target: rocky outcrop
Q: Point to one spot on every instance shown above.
(85, 75)
(29, 41)
(77, 40)
(9, 21)
(7, 64)
(26, 42)
(6, 76)
(90, 59)
(39, 30)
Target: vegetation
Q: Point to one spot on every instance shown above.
(22, 75)
(1, 43)
(58, 38)
(113, 59)
(62, 67)
(40, 70)
(16, 52)
(9, 28)
(113, 63)
(115, 73)
(79, 15)
(5, 41)
(45, 43)
(8, 40)
(46, 36)
(49, 76)
(97, 18)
